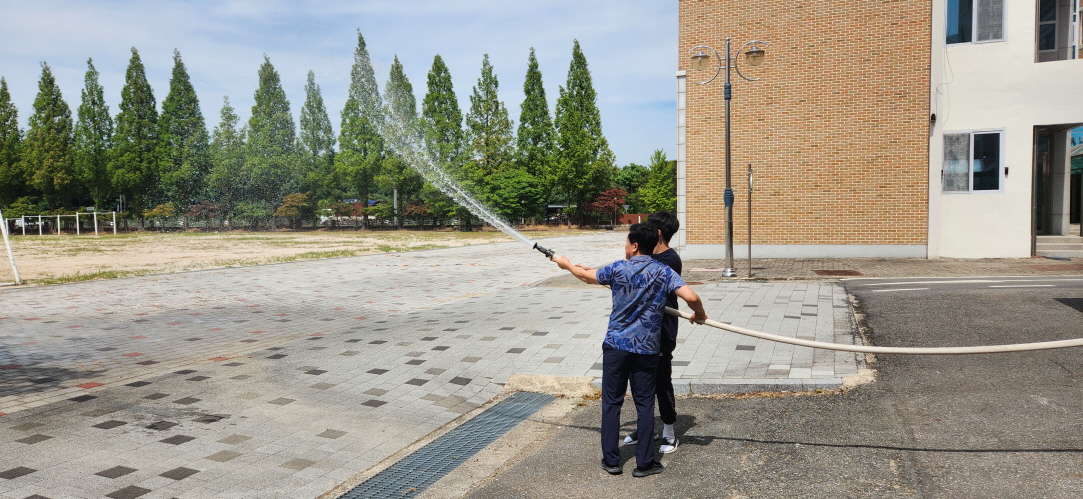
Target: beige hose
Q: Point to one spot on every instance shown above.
(1018, 347)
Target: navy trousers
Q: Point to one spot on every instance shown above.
(667, 403)
(618, 369)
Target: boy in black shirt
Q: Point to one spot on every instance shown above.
(666, 224)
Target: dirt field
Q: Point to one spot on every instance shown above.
(54, 259)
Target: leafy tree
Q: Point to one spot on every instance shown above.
(585, 164)
(401, 109)
(660, 193)
(489, 129)
(183, 143)
(204, 211)
(296, 208)
(443, 127)
(161, 212)
(12, 177)
(361, 147)
(609, 203)
(516, 194)
(93, 138)
(631, 179)
(133, 159)
(226, 181)
(317, 140)
(270, 154)
(535, 135)
(47, 151)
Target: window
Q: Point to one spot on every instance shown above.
(1047, 25)
(987, 18)
(971, 162)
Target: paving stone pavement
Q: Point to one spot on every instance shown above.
(285, 380)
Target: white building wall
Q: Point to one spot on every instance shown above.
(994, 86)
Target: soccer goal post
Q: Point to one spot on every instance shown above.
(7, 243)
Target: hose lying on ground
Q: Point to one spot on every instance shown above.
(1018, 347)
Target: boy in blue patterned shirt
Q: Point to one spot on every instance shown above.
(640, 286)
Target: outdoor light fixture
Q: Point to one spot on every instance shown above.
(700, 61)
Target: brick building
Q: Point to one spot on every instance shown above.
(904, 129)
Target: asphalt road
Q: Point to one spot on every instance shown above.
(1006, 425)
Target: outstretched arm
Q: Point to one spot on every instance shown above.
(587, 275)
(694, 303)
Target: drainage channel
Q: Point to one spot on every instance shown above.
(413, 474)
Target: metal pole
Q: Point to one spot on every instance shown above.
(727, 197)
(58, 225)
(23, 219)
(750, 220)
(95, 223)
(77, 223)
(114, 223)
(39, 225)
(11, 256)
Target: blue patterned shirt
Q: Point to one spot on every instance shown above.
(640, 287)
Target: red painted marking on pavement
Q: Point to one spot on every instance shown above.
(92, 384)
(360, 318)
(257, 332)
(33, 319)
(1, 318)
(316, 334)
(251, 306)
(10, 366)
(3, 414)
(74, 326)
(133, 354)
(220, 359)
(197, 313)
(144, 313)
(215, 329)
(137, 337)
(336, 308)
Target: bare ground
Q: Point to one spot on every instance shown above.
(54, 259)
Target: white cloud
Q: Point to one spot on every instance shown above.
(631, 46)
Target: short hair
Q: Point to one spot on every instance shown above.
(665, 222)
(645, 236)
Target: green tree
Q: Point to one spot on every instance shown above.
(93, 138)
(585, 164)
(660, 193)
(443, 128)
(317, 140)
(183, 142)
(400, 110)
(133, 160)
(47, 150)
(536, 152)
(361, 148)
(12, 176)
(270, 154)
(631, 179)
(226, 181)
(489, 130)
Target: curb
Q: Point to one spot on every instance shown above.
(710, 386)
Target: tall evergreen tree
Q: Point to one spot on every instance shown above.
(226, 181)
(270, 154)
(489, 128)
(443, 129)
(47, 150)
(12, 176)
(318, 141)
(585, 164)
(133, 160)
(660, 193)
(93, 138)
(183, 142)
(536, 151)
(400, 110)
(361, 147)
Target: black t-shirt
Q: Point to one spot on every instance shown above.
(673, 261)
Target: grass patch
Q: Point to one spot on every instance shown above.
(80, 277)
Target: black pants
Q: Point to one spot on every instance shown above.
(667, 404)
(618, 369)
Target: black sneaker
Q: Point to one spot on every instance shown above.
(614, 469)
(631, 439)
(654, 469)
(668, 445)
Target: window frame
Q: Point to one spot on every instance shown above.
(1039, 23)
(1001, 177)
(974, 24)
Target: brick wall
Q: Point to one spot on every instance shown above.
(836, 129)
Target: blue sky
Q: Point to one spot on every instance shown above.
(631, 46)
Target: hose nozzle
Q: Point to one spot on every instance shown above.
(547, 252)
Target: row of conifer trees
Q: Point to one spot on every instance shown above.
(152, 164)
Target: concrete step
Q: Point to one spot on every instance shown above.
(1058, 246)
(1060, 239)
(1061, 253)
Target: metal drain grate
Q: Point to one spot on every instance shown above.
(418, 471)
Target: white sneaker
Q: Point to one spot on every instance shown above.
(630, 439)
(668, 445)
